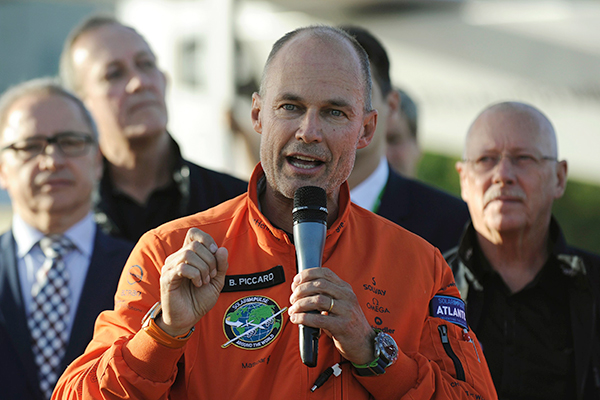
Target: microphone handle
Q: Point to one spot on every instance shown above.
(309, 344)
(309, 238)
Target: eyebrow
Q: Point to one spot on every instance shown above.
(337, 102)
(289, 96)
(144, 53)
(515, 150)
(55, 134)
(139, 54)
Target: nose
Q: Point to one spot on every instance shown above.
(310, 130)
(504, 171)
(51, 158)
(137, 81)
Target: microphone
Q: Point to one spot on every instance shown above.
(310, 228)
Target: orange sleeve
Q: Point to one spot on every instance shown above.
(431, 373)
(117, 362)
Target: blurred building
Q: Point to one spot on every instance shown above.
(455, 57)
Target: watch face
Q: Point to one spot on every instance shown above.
(388, 347)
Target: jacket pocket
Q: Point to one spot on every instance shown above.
(456, 351)
(458, 367)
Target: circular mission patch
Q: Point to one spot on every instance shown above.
(252, 322)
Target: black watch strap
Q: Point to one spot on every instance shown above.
(386, 353)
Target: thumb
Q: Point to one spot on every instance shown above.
(222, 256)
(195, 234)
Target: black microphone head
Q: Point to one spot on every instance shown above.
(310, 204)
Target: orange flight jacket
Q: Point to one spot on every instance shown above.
(245, 348)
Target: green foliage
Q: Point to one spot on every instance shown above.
(438, 170)
(578, 211)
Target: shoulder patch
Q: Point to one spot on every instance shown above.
(451, 309)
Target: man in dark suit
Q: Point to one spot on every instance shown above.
(430, 213)
(58, 271)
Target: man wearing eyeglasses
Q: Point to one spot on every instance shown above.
(58, 271)
(531, 299)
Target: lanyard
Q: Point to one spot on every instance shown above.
(378, 200)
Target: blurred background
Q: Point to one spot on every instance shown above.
(453, 57)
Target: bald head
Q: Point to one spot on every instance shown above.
(67, 72)
(39, 88)
(510, 119)
(337, 41)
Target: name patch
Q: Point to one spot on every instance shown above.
(255, 281)
(449, 308)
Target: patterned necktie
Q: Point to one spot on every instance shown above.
(49, 316)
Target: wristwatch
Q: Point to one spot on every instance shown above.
(386, 353)
(153, 330)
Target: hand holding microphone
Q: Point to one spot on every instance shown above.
(316, 290)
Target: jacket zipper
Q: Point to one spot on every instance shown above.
(460, 372)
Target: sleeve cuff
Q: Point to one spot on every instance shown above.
(151, 359)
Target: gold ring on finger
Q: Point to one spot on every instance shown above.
(331, 306)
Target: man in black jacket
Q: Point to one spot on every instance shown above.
(146, 181)
(436, 216)
(531, 299)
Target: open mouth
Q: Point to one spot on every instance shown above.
(303, 162)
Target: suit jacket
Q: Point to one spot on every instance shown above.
(18, 371)
(436, 216)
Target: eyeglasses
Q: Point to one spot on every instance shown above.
(522, 162)
(71, 144)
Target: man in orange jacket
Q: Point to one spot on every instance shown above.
(221, 281)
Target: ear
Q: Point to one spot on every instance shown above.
(393, 102)
(99, 165)
(460, 168)
(369, 125)
(3, 181)
(256, 108)
(165, 77)
(561, 178)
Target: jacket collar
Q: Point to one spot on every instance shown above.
(265, 230)
(178, 168)
(469, 252)
(181, 178)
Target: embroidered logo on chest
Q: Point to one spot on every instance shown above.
(252, 322)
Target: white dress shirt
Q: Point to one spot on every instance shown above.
(30, 258)
(367, 193)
